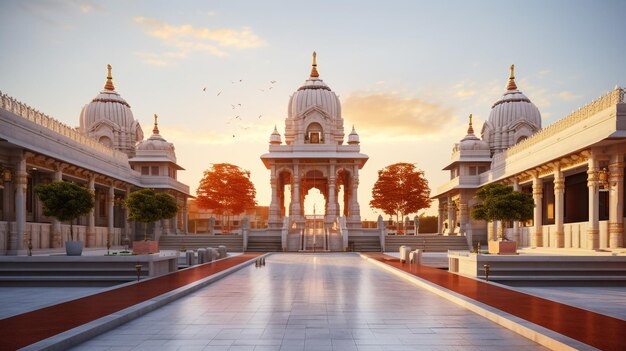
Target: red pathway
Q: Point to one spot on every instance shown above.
(597, 330)
(31, 327)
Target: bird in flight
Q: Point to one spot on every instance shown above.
(272, 81)
(218, 94)
(204, 89)
(259, 116)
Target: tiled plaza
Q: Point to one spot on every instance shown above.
(310, 302)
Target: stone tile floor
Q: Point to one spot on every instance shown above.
(18, 300)
(311, 302)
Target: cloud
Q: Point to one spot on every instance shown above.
(86, 7)
(188, 39)
(396, 116)
(568, 96)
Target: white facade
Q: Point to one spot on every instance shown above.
(574, 168)
(36, 149)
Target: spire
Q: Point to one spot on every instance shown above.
(314, 73)
(512, 85)
(109, 84)
(470, 129)
(155, 130)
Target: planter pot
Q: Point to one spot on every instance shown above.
(145, 247)
(74, 248)
(503, 247)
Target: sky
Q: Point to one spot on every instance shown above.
(408, 73)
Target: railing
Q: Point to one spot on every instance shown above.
(21, 109)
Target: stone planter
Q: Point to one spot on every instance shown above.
(145, 247)
(73, 248)
(503, 247)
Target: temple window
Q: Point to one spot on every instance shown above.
(106, 141)
(154, 170)
(314, 134)
(145, 170)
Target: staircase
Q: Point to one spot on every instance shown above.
(364, 243)
(264, 243)
(36, 273)
(233, 242)
(427, 243)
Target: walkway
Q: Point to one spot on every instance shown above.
(31, 327)
(311, 302)
(597, 330)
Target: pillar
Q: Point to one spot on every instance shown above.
(127, 228)
(593, 228)
(616, 201)
(559, 207)
(274, 210)
(537, 237)
(18, 240)
(463, 213)
(185, 217)
(355, 211)
(91, 217)
(296, 208)
(440, 219)
(111, 213)
(451, 213)
(56, 236)
(516, 234)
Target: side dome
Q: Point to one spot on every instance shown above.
(275, 137)
(353, 137)
(512, 118)
(156, 144)
(471, 141)
(109, 119)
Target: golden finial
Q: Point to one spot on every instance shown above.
(156, 124)
(109, 84)
(512, 85)
(314, 73)
(470, 130)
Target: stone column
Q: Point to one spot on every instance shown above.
(537, 237)
(355, 211)
(127, 228)
(18, 241)
(111, 213)
(331, 212)
(593, 228)
(55, 224)
(516, 236)
(559, 208)
(463, 213)
(91, 217)
(440, 219)
(185, 216)
(274, 210)
(296, 208)
(616, 201)
(451, 213)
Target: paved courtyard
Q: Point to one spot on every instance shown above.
(311, 302)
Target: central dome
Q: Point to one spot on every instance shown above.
(314, 93)
(314, 113)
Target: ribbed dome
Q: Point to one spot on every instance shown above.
(314, 92)
(157, 143)
(109, 119)
(353, 137)
(512, 107)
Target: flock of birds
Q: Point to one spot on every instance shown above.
(237, 106)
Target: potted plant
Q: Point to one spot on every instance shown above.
(502, 203)
(66, 201)
(147, 206)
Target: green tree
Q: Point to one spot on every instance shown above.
(65, 201)
(147, 206)
(502, 203)
(226, 189)
(401, 189)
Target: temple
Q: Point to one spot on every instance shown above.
(574, 169)
(106, 154)
(313, 155)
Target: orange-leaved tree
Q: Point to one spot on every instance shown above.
(226, 189)
(401, 189)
